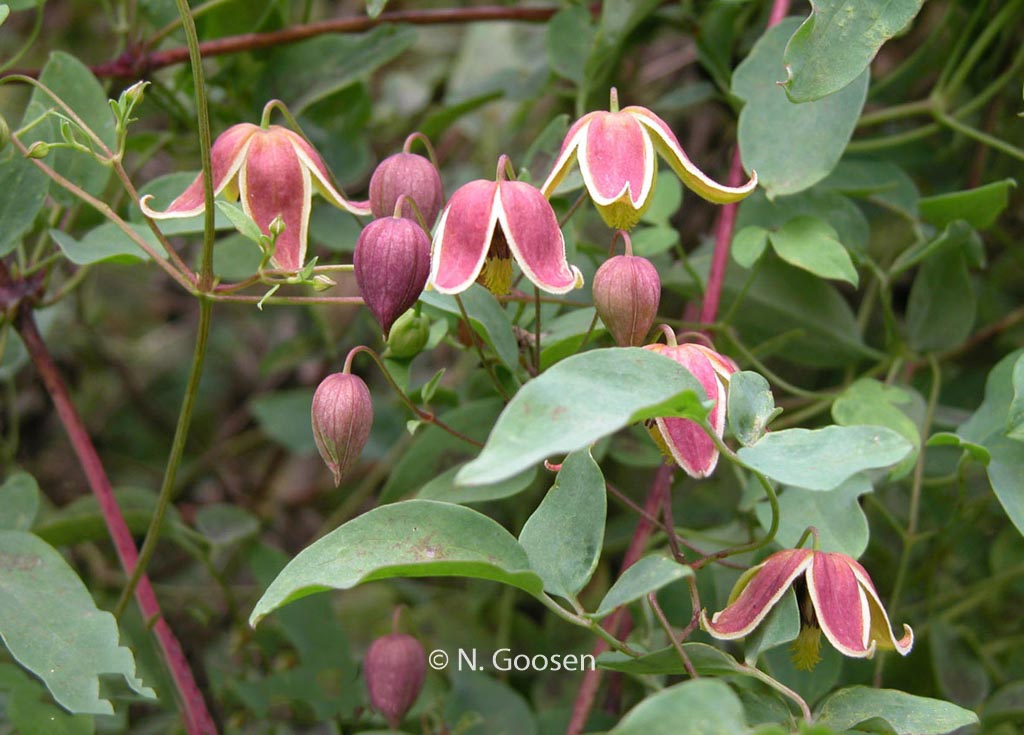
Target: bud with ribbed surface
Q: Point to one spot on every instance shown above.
(394, 669)
(391, 262)
(408, 336)
(627, 291)
(342, 417)
(412, 175)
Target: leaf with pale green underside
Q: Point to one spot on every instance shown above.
(791, 146)
(699, 707)
(105, 243)
(841, 523)
(71, 81)
(979, 207)
(872, 402)
(52, 627)
(751, 406)
(24, 187)
(579, 401)
(822, 459)
(414, 538)
(19, 502)
(443, 487)
(564, 536)
(838, 41)
(813, 245)
(748, 245)
(489, 320)
(570, 36)
(781, 625)
(31, 711)
(908, 714)
(987, 427)
(646, 575)
(707, 661)
(942, 303)
(4, 12)
(1015, 418)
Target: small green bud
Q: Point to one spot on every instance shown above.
(39, 149)
(408, 335)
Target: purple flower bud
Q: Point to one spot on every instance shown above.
(342, 418)
(412, 175)
(394, 668)
(392, 262)
(627, 291)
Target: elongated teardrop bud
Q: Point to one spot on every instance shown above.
(394, 669)
(627, 291)
(391, 262)
(342, 419)
(415, 177)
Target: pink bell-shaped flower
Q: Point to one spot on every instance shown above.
(488, 223)
(616, 151)
(838, 599)
(274, 170)
(682, 439)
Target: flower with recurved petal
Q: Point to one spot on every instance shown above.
(274, 171)
(616, 153)
(682, 439)
(837, 598)
(488, 223)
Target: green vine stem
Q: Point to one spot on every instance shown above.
(478, 346)
(194, 711)
(652, 600)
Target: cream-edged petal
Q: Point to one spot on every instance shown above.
(840, 604)
(881, 629)
(617, 160)
(670, 149)
(274, 183)
(226, 156)
(759, 596)
(566, 155)
(534, 237)
(463, 237)
(322, 177)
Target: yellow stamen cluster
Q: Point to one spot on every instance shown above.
(805, 650)
(496, 275)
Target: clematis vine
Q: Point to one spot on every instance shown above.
(837, 598)
(488, 223)
(682, 439)
(274, 171)
(616, 153)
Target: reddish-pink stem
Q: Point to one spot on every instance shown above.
(727, 218)
(196, 715)
(620, 622)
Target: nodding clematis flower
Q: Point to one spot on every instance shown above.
(274, 171)
(616, 151)
(488, 223)
(682, 439)
(836, 598)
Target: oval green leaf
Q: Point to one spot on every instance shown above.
(906, 713)
(580, 400)
(751, 406)
(698, 707)
(822, 459)
(414, 538)
(647, 575)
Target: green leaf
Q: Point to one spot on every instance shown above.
(106, 242)
(414, 538)
(812, 245)
(650, 241)
(881, 182)
(580, 400)
(906, 713)
(841, 523)
(980, 206)
(570, 35)
(707, 661)
(19, 502)
(821, 203)
(242, 222)
(646, 575)
(562, 336)
(957, 235)
(440, 120)
(838, 41)
(4, 12)
(962, 678)
(942, 303)
(822, 459)
(31, 710)
(307, 72)
(780, 626)
(284, 416)
(24, 187)
(748, 245)
(987, 427)
(790, 146)
(751, 406)
(493, 707)
(434, 451)
(226, 525)
(947, 439)
(488, 318)
(51, 625)
(665, 201)
(72, 82)
(699, 707)
(872, 402)
(375, 7)
(564, 536)
(1015, 418)
(619, 18)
